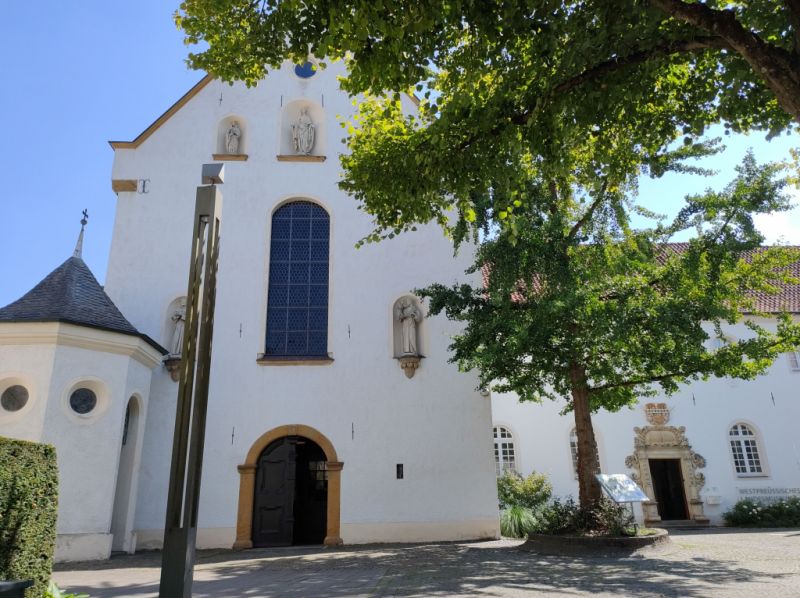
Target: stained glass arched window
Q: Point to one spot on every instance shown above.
(297, 299)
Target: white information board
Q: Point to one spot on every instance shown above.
(621, 488)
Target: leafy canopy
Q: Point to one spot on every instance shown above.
(579, 88)
(575, 283)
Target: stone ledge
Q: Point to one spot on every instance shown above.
(594, 545)
(300, 360)
(300, 158)
(230, 157)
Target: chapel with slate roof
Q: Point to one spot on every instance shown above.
(334, 415)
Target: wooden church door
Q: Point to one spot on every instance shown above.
(273, 503)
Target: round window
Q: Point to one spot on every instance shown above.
(305, 71)
(83, 401)
(14, 398)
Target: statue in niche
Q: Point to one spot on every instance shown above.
(232, 137)
(408, 314)
(303, 133)
(179, 317)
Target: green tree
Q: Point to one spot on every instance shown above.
(746, 54)
(537, 118)
(579, 304)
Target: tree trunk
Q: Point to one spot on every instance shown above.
(589, 490)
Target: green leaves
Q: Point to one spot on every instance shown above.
(636, 311)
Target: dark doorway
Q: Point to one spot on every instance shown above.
(668, 488)
(291, 494)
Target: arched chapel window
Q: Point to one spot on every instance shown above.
(297, 300)
(744, 448)
(504, 455)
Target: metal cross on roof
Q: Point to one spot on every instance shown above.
(79, 245)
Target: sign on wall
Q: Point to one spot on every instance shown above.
(768, 494)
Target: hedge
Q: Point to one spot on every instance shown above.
(28, 512)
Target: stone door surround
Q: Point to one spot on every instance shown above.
(667, 442)
(247, 479)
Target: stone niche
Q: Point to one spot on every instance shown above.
(295, 112)
(232, 138)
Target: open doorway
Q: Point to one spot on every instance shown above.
(668, 488)
(291, 490)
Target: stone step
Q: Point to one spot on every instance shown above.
(679, 524)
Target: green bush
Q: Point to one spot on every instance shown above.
(751, 513)
(532, 492)
(28, 511)
(603, 518)
(517, 521)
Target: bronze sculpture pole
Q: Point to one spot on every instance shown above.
(180, 530)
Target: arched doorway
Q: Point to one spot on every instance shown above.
(272, 463)
(290, 501)
(125, 492)
(667, 469)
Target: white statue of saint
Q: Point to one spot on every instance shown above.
(232, 138)
(408, 314)
(179, 317)
(303, 133)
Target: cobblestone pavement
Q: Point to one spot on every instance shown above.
(724, 563)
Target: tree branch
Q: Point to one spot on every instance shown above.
(668, 48)
(683, 374)
(773, 64)
(589, 211)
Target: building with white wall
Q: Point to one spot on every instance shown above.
(322, 426)
(695, 453)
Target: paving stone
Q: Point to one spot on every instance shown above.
(718, 563)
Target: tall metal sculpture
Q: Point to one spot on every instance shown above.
(180, 531)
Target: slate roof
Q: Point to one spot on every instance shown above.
(786, 299)
(71, 294)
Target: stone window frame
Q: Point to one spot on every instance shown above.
(9, 379)
(794, 360)
(101, 391)
(286, 358)
(760, 451)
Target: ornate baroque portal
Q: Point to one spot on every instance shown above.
(247, 478)
(660, 441)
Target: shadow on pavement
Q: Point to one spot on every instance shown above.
(422, 570)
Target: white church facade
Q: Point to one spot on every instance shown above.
(327, 381)
(334, 415)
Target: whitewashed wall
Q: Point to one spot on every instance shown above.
(87, 447)
(436, 424)
(706, 409)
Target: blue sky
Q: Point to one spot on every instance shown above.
(78, 74)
